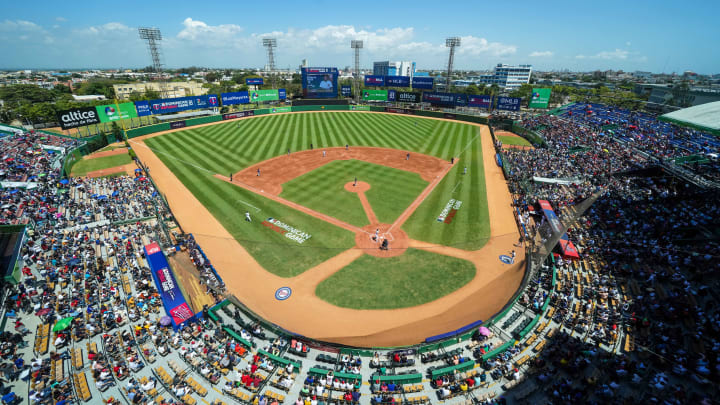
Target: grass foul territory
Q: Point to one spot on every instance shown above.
(513, 140)
(86, 166)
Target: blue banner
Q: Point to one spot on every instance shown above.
(346, 91)
(397, 81)
(173, 105)
(282, 94)
(374, 80)
(254, 81)
(392, 95)
(446, 99)
(236, 97)
(480, 101)
(172, 297)
(508, 103)
(143, 108)
(421, 82)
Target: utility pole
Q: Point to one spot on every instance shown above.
(357, 46)
(452, 43)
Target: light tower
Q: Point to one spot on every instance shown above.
(153, 38)
(357, 46)
(270, 43)
(451, 43)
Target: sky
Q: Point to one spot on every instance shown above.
(657, 36)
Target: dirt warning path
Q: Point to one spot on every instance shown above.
(304, 313)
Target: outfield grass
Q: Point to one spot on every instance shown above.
(195, 154)
(513, 140)
(85, 166)
(413, 278)
(391, 190)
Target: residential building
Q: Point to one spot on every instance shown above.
(172, 89)
(507, 76)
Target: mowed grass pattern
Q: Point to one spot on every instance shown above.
(194, 155)
(413, 278)
(391, 190)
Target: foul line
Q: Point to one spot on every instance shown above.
(453, 190)
(469, 143)
(249, 205)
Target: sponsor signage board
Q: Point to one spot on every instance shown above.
(421, 82)
(143, 108)
(346, 91)
(446, 99)
(359, 108)
(173, 105)
(276, 110)
(258, 96)
(540, 98)
(508, 103)
(480, 101)
(254, 81)
(374, 80)
(408, 97)
(178, 124)
(109, 113)
(397, 81)
(78, 117)
(282, 94)
(375, 95)
(239, 114)
(235, 97)
(170, 293)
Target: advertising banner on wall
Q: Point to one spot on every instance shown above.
(359, 108)
(258, 96)
(374, 80)
(479, 101)
(397, 81)
(173, 105)
(446, 99)
(78, 117)
(170, 294)
(254, 81)
(319, 82)
(178, 124)
(346, 91)
(109, 113)
(540, 98)
(408, 97)
(421, 82)
(235, 97)
(282, 95)
(276, 110)
(143, 108)
(375, 95)
(239, 114)
(508, 103)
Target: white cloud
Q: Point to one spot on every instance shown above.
(475, 46)
(61, 19)
(213, 35)
(541, 54)
(627, 43)
(19, 25)
(617, 54)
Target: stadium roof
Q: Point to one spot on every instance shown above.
(705, 117)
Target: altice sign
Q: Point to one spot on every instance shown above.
(78, 117)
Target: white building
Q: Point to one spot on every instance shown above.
(387, 68)
(508, 77)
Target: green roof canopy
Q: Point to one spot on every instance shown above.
(704, 117)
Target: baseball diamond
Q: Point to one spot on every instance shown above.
(379, 269)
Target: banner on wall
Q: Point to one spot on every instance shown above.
(282, 95)
(445, 99)
(143, 108)
(173, 105)
(235, 97)
(276, 110)
(254, 81)
(540, 98)
(374, 80)
(178, 124)
(239, 114)
(109, 113)
(170, 294)
(479, 101)
(375, 95)
(258, 96)
(508, 103)
(346, 91)
(397, 81)
(420, 82)
(77, 117)
(408, 97)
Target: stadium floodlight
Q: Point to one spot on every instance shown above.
(357, 46)
(270, 44)
(153, 37)
(452, 43)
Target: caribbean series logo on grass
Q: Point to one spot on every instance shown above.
(448, 213)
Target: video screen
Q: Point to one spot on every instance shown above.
(319, 82)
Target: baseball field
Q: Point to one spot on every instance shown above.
(306, 200)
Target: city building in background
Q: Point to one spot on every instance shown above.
(387, 68)
(507, 76)
(173, 89)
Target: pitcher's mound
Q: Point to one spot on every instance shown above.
(360, 187)
(397, 240)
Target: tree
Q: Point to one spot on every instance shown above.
(61, 89)
(212, 77)
(151, 94)
(472, 89)
(117, 132)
